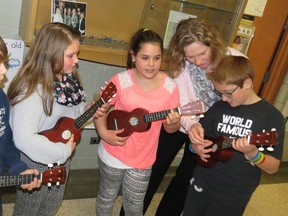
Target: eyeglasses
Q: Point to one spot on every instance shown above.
(226, 94)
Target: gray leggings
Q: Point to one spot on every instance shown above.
(44, 201)
(134, 184)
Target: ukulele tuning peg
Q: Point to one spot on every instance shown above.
(102, 88)
(49, 184)
(196, 116)
(193, 117)
(106, 82)
(270, 149)
(57, 183)
(50, 165)
(261, 148)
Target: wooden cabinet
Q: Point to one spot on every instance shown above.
(110, 24)
(224, 15)
(113, 19)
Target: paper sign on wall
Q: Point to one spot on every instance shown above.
(15, 52)
(255, 7)
(174, 18)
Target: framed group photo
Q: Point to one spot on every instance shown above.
(71, 13)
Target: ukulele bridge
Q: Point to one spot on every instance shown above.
(115, 124)
(214, 147)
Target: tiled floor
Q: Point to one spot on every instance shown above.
(83, 185)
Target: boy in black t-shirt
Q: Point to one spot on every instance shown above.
(221, 188)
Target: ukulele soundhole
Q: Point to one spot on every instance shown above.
(66, 134)
(133, 121)
(214, 147)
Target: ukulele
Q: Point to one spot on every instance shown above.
(66, 126)
(56, 175)
(139, 120)
(222, 147)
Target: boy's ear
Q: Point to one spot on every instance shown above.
(248, 83)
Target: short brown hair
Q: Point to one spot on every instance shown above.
(3, 52)
(232, 70)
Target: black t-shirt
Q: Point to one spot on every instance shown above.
(235, 180)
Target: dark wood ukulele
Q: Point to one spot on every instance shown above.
(222, 147)
(139, 120)
(54, 175)
(66, 126)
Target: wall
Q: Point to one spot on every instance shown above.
(266, 35)
(93, 76)
(281, 103)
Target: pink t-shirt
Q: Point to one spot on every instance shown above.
(140, 148)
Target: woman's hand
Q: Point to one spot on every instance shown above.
(203, 150)
(199, 144)
(196, 134)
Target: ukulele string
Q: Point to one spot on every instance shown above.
(16, 179)
(87, 115)
(82, 119)
(109, 92)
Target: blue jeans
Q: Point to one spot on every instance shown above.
(134, 184)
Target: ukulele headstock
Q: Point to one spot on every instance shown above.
(108, 92)
(265, 139)
(193, 108)
(54, 174)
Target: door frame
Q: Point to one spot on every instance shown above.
(277, 70)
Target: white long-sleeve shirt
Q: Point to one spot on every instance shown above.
(186, 94)
(28, 119)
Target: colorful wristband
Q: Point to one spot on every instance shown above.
(259, 158)
(254, 158)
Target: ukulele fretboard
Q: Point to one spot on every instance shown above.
(88, 114)
(16, 180)
(149, 117)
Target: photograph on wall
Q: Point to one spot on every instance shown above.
(174, 18)
(243, 38)
(71, 13)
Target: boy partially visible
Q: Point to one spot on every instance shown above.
(226, 187)
(9, 154)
